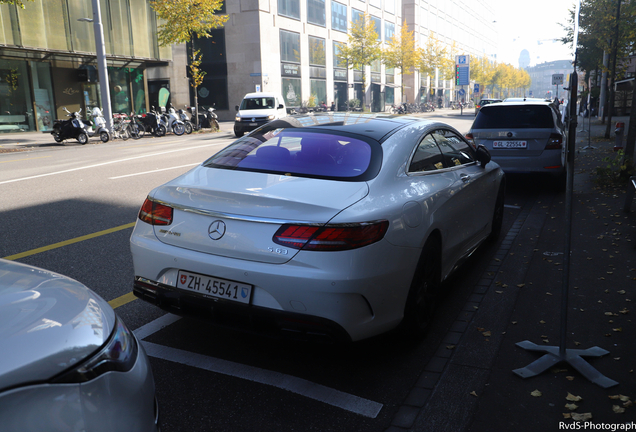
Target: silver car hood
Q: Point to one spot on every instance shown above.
(48, 323)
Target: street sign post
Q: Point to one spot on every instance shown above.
(557, 80)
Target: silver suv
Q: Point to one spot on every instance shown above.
(523, 137)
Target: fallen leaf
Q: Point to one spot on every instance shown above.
(567, 415)
(577, 343)
(628, 404)
(621, 292)
(581, 417)
(542, 322)
(472, 393)
(623, 398)
(571, 406)
(536, 393)
(617, 409)
(521, 285)
(569, 378)
(481, 329)
(487, 333)
(450, 347)
(573, 398)
(499, 292)
(620, 329)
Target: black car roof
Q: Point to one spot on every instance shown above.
(375, 126)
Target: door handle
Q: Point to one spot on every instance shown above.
(465, 178)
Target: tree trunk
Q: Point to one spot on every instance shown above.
(612, 93)
(631, 132)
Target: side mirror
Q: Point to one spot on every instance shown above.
(483, 155)
(236, 107)
(281, 106)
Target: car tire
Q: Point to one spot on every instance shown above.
(238, 134)
(498, 214)
(421, 299)
(82, 138)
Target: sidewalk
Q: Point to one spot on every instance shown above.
(470, 385)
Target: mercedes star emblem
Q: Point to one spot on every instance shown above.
(216, 230)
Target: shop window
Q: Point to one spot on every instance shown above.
(292, 92)
(319, 90)
(16, 110)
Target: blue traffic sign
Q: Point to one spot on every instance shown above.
(461, 92)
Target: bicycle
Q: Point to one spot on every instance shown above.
(137, 129)
(121, 128)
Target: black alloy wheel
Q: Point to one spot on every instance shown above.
(421, 300)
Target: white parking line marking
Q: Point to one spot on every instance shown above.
(152, 172)
(154, 326)
(105, 163)
(293, 384)
(512, 206)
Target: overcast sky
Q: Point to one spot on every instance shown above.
(531, 25)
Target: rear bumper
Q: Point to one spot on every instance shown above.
(548, 162)
(251, 319)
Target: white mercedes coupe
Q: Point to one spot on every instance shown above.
(334, 225)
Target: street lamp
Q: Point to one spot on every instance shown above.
(100, 50)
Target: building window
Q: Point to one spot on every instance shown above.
(289, 8)
(389, 6)
(377, 23)
(389, 30)
(338, 62)
(376, 3)
(389, 95)
(319, 90)
(338, 16)
(291, 92)
(356, 16)
(317, 55)
(289, 47)
(316, 12)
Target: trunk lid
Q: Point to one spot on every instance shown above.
(235, 213)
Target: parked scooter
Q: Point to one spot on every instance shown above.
(172, 122)
(209, 120)
(152, 123)
(187, 124)
(99, 126)
(72, 128)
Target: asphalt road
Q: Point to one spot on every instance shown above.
(71, 209)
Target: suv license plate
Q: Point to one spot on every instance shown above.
(509, 144)
(210, 286)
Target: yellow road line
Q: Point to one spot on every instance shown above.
(17, 160)
(120, 301)
(68, 242)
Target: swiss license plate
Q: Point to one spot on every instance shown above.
(509, 144)
(253, 124)
(214, 287)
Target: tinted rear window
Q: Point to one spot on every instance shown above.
(293, 152)
(514, 117)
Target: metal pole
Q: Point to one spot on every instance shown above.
(100, 50)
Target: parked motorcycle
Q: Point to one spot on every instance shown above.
(172, 122)
(72, 128)
(99, 126)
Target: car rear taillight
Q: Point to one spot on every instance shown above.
(477, 106)
(555, 142)
(330, 237)
(155, 214)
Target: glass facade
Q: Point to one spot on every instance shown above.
(319, 90)
(53, 64)
(317, 55)
(389, 30)
(292, 92)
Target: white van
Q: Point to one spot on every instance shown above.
(256, 109)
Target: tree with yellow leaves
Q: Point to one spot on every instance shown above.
(184, 20)
(401, 53)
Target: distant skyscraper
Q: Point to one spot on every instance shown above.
(524, 59)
